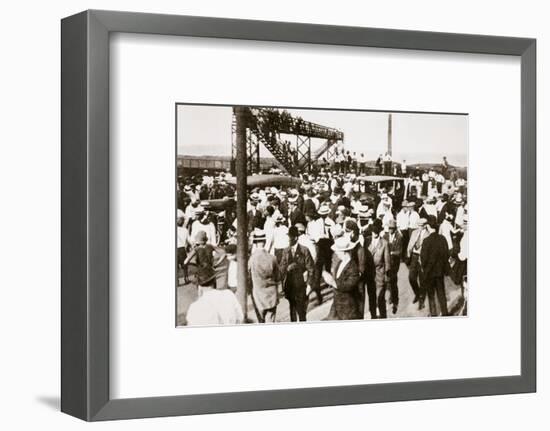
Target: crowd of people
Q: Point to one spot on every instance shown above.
(336, 229)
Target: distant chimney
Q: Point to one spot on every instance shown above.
(389, 136)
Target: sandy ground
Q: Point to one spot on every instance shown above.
(187, 293)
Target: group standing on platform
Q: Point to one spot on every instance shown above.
(334, 230)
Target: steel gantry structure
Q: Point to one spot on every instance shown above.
(266, 125)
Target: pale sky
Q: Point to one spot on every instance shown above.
(206, 130)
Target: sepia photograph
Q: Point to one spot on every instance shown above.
(341, 214)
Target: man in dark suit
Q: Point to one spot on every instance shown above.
(255, 217)
(295, 215)
(395, 243)
(443, 208)
(295, 261)
(434, 259)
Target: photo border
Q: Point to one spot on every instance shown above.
(243, 254)
(85, 214)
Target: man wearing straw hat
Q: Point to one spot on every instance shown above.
(380, 251)
(395, 243)
(345, 281)
(319, 231)
(264, 273)
(295, 215)
(413, 260)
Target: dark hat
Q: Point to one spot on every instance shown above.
(351, 225)
(377, 227)
(205, 275)
(293, 232)
(432, 221)
(310, 212)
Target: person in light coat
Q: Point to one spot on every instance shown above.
(265, 276)
(380, 251)
(413, 262)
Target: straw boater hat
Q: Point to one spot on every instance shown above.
(343, 244)
(280, 218)
(258, 235)
(324, 210)
(255, 197)
(458, 199)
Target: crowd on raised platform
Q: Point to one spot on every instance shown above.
(338, 229)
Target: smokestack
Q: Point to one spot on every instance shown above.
(389, 136)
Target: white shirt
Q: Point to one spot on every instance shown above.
(386, 219)
(342, 265)
(305, 240)
(189, 211)
(413, 220)
(347, 187)
(232, 273)
(215, 307)
(403, 217)
(209, 228)
(317, 229)
(382, 209)
(183, 236)
(280, 237)
(445, 230)
(463, 254)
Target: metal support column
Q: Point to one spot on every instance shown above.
(242, 223)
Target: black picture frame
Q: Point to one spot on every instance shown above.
(85, 214)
